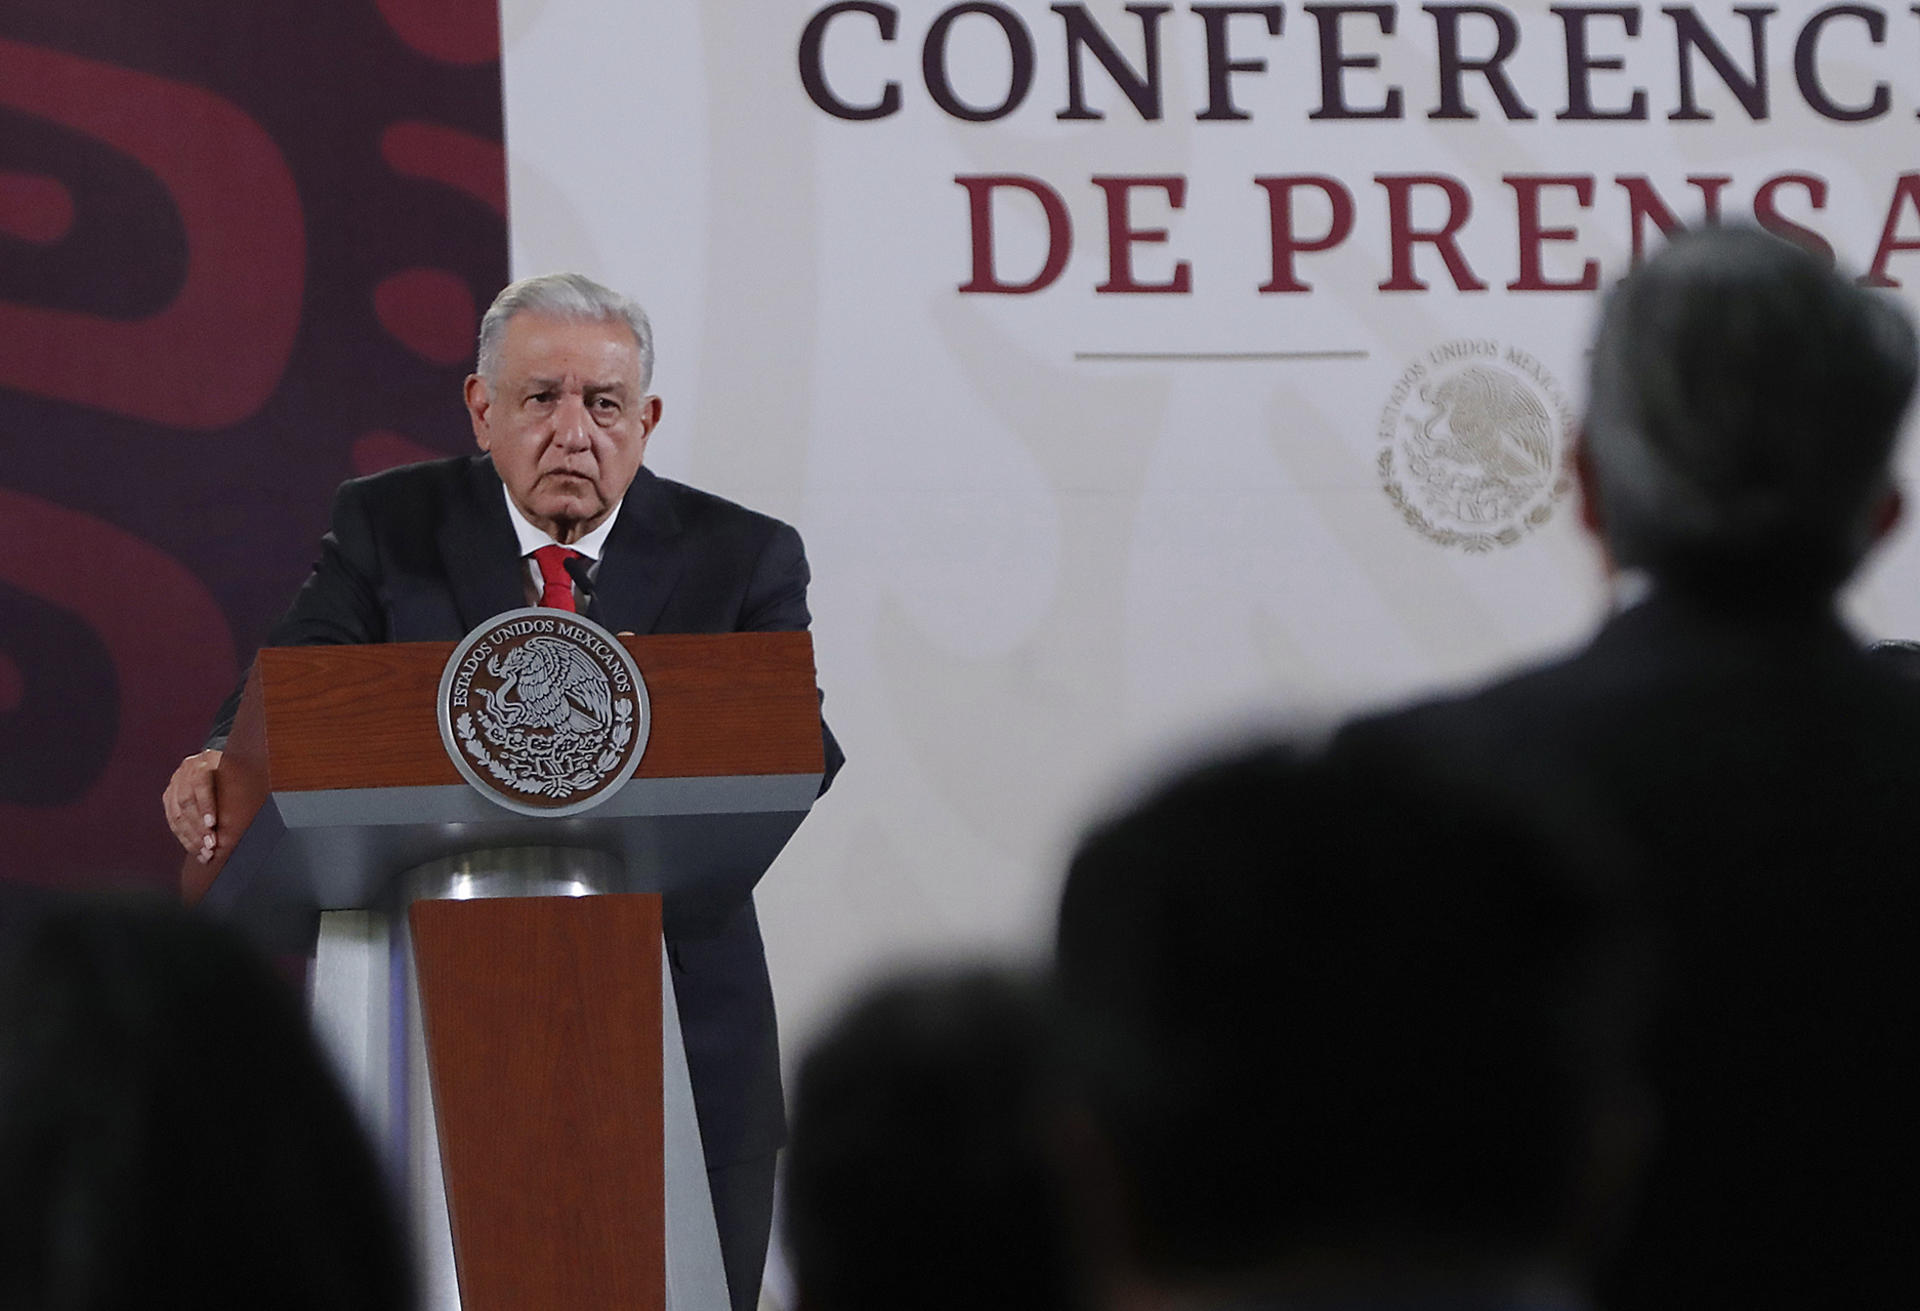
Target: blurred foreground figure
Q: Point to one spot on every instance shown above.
(169, 1135)
(1350, 1038)
(925, 1172)
(1737, 467)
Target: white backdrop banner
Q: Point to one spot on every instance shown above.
(1142, 372)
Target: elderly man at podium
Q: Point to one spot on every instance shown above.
(558, 510)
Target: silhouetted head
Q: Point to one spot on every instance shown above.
(1744, 403)
(1341, 1009)
(923, 1170)
(169, 1134)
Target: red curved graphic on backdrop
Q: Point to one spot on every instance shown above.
(195, 364)
(35, 208)
(430, 312)
(434, 152)
(173, 658)
(451, 31)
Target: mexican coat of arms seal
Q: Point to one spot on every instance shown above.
(1473, 444)
(543, 711)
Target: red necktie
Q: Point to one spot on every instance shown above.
(556, 590)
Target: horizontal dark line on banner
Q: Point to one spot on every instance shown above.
(1226, 357)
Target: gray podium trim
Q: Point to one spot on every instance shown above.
(458, 804)
(702, 842)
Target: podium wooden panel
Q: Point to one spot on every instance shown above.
(551, 1003)
(361, 717)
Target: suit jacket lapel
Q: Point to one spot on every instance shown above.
(642, 563)
(479, 550)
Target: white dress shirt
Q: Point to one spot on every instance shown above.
(532, 539)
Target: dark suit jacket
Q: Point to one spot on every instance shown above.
(427, 552)
(1768, 774)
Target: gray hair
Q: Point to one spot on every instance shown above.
(570, 296)
(1744, 402)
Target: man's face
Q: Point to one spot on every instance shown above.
(565, 419)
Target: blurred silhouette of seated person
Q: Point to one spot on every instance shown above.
(1737, 467)
(924, 1172)
(169, 1133)
(1350, 1037)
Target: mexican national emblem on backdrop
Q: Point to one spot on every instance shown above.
(1474, 444)
(543, 711)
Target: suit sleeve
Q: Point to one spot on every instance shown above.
(776, 597)
(338, 605)
(776, 601)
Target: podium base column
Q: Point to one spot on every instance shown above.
(367, 1012)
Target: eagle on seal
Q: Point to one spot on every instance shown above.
(1495, 423)
(550, 684)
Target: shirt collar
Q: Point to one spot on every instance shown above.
(532, 539)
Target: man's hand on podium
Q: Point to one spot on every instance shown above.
(192, 803)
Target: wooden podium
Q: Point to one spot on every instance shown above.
(492, 983)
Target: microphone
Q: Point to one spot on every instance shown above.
(579, 569)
